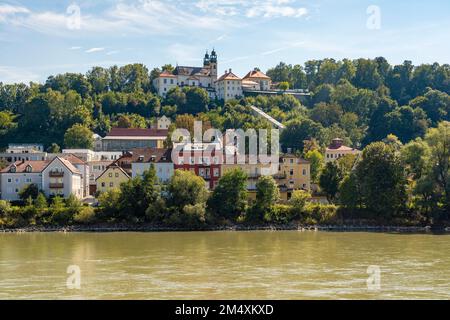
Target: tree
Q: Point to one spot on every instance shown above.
(29, 191)
(229, 198)
(316, 160)
(298, 200)
(138, 194)
(54, 148)
(186, 189)
(78, 136)
(267, 193)
(326, 114)
(41, 202)
(438, 139)
(382, 179)
(283, 85)
(297, 131)
(330, 180)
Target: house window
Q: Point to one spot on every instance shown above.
(117, 174)
(111, 184)
(304, 172)
(9, 180)
(291, 172)
(110, 174)
(291, 160)
(103, 184)
(216, 172)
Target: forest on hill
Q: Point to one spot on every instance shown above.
(361, 101)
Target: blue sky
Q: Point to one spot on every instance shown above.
(43, 37)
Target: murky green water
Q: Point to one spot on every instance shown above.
(225, 265)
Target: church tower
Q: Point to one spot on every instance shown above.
(206, 60)
(213, 65)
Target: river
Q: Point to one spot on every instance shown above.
(225, 265)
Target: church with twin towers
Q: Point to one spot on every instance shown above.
(224, 87)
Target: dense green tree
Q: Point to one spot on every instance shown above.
(229, 198)
(78, 136)
(330, 179)
(29, 191)
(297, 131)
(382, 179)
(315, 159)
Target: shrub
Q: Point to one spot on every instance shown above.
(322, 214)
(280, 213)
(85, 216)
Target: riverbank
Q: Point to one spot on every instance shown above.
(235, 227)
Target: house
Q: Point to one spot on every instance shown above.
(203, 159)
(111, 178)
(253, 170)
(229, 86)
(203, 77)
(18, 175)
(27, 152)
(337, 150)
(161, 159)
(255, 76)
(54, 177)
(61, 178)
(122, 139)
(293, 173)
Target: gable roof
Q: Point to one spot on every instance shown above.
(66, 163)
(36, 166)
(113, 166)
(256, 74)
(229, 76)
(73, 159)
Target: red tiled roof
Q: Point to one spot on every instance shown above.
(256, 74)
(72, 158)
(131, 132)
(166, 74)
(36, 165)
(229, 76)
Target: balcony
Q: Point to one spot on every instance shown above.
(56, 185)
(56, 174)
(279, 176)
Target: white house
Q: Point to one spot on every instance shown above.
(229, 86)
(337, 150)
(60, 177)
(18, 175)
(143, 159)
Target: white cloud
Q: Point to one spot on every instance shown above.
(75, 48)
(10, 74)
(92, 50)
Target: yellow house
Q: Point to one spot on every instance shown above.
(294, 172)
(111, 178)
(254, 171)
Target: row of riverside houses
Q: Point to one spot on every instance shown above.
(85, 173)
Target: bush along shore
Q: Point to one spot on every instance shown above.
(184, 204)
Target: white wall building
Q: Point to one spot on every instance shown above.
(18, 175)
(143, 159)
(229, 86)
(62, 178)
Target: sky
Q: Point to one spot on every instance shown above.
(39, 38)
